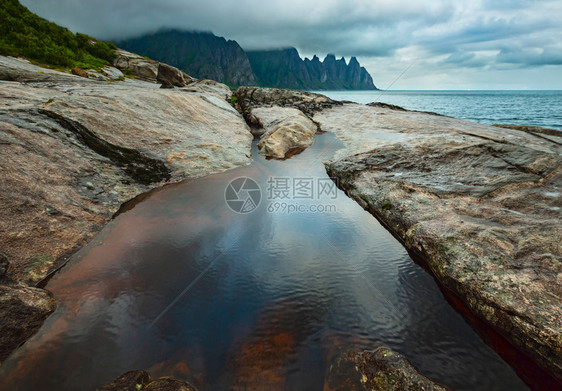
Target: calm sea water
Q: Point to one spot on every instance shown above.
(537, 108)
(183, 286)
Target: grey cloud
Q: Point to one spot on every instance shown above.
(439, 35)
(464, 59)
(530, 57)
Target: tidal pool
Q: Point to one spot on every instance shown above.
(183, 286)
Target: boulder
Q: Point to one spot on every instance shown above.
(169, 75)
(123, 58)
(139, 67)
(480, 205)
(285, 131)
(379, 370)
(105, 74)
(79, 72)
(112, 73)
(150, 70)
(22, 311)
(144, 69)
(140, 380)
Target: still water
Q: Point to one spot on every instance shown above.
(537, 108)
(183, 286)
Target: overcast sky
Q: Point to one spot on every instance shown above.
(440, 44)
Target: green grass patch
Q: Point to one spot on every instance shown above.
(24, 34)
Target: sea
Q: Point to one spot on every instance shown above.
(533, 108)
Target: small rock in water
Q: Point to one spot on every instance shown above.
(381, 369)
(140, 380)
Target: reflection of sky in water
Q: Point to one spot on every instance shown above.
(182, 286)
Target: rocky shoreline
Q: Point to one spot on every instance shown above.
(480, 205)
(74, 149)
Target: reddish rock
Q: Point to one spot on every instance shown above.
(79, 72)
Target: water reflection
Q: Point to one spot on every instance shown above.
(183, 286)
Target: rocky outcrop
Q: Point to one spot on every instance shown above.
(553, 135)
(481, 205)
(71, 158)
(73, 149)
(201, 55)
(284, 68)
(281, 118)
(140, 380)
(287, 131)
(307, 102)
(379, 370)
(22, 311)
(150, 70)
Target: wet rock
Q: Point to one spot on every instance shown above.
(22, 311)
(72, 150)
(379, 370)
(307, 102)
(4, 266)
(481, 205)
(140, 380)
(286, 130)
(168, 385)
(132, 380)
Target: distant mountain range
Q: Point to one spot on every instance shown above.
(204, 55)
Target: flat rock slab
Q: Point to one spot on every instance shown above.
(379, 370)
(209, 87)
(286, 131)
(482, 205)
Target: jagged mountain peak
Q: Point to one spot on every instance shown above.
(273, 69)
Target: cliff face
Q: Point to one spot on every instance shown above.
(285, 69)
(206, 56)
(201, 55)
